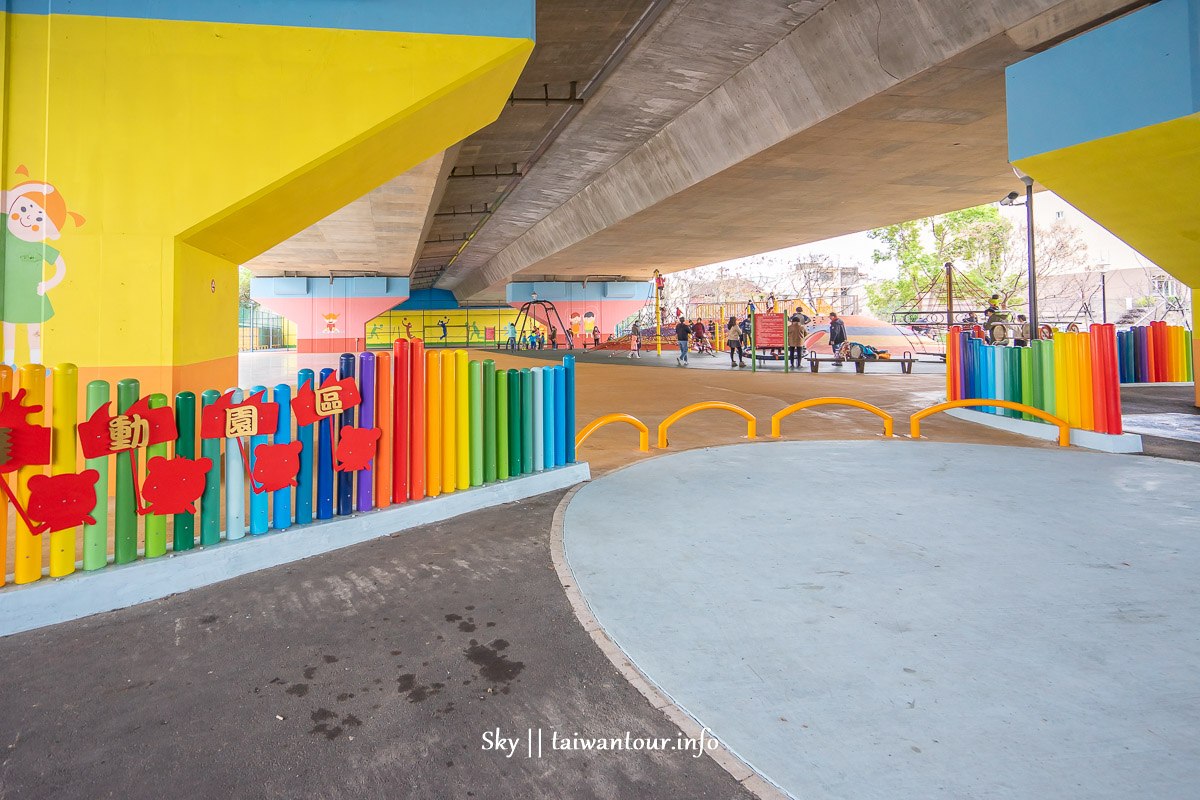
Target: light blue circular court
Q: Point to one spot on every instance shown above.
(912, 619)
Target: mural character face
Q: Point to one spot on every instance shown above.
(28, 221)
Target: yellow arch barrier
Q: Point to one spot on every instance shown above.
(751, 422)
(831, 401)
(600, 422)
(1064, 430)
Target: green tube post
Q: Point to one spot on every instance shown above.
(501, 424)
(125, 527)
(1026, 355)
(185, 422)
(753, 348)
(210, 501)
(1049, 397)
(156, 524)
(514, 423)
(489, 421)
(1189, 350)
(475, 411)
(95, 537)
(526, 421)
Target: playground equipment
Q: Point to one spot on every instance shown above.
(525, 318)
(599, 422)
(751, 421)
(1064, 430)
(1156, 353)
(777, 418)
(428, 423)
(1074, 376)
(940, 305)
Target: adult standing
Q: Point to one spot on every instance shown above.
(837, 334)
(733, 340)
(683, 332)
(553, 338)
(511, 344)
(796, 334)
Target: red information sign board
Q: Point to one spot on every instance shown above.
(769, 330)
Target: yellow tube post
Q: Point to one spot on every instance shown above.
(433, 423)
(6, 376)
(449, 424)
(1062, 357)
(462, 420)
(63, 416)
(1086, 399)
(28, 550)
(1071, 351)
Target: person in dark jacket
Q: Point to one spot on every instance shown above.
(683, 332)
(837, 333)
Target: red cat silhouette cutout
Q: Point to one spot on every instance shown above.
(59, 502)
(356, 448)
(275, 466)
(173, 485)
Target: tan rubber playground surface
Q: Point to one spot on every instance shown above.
(652, 394)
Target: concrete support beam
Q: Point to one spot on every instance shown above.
(881, 71)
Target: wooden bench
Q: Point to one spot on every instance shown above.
(860, 364)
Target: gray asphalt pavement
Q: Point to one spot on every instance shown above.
(372, 672)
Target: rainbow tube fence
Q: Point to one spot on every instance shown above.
(1074, 376)
(383, 428)
(1157, 353)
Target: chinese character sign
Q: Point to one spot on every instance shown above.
(226, 420)
(333, 397)
(140, 426)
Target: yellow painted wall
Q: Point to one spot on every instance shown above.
(190, 147)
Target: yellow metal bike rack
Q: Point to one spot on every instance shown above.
(600, 422)
(751, 421)
(832, 401)
(1064, 429)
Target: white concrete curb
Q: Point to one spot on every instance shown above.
(81, 594)
(1105, 443)
(741, 772)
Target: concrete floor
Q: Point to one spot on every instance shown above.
(372, 672)
(909, 620)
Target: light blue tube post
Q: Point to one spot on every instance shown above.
(366, 477)
(569, 367)
(260, 521)
(281, 500)
(325, 462)
(560, 415)
(304, 479)
(539, 402)
(549, 401)
(235, 491)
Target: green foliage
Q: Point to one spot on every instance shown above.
(977, 240)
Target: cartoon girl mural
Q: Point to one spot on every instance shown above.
(36, 214)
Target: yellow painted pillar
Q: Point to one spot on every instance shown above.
(433, 423)
(462, 418)
(449, 424)
(28, 549)
(62, 459)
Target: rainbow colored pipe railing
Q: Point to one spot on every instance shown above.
(448, 423)
(1157, 353)
(1073, 377)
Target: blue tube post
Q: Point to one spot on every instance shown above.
(304, 478)
(281, 500)
(569, 367)
(549, 400)
(539, 402)
(345, 480)
(259, 501)
(366, 479)
(561, 412)
(325, 462)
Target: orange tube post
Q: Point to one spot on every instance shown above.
(383, 421)
(416, 419)
(28, 550)
(6, 376)
(433, 423)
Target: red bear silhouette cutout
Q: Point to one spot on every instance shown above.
(59, 502)
(356, 448)
(275, 466)
(173, 485)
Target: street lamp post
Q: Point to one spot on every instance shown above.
(1008, 201)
